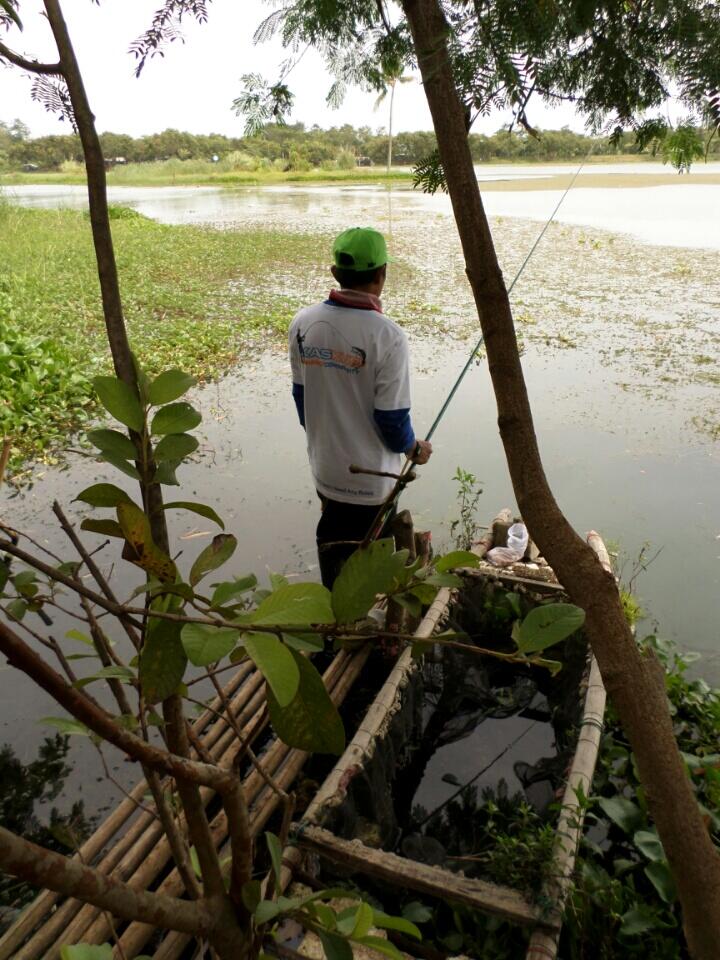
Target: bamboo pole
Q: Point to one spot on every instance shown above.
(245, 681)
(544, 943)
(283, 763)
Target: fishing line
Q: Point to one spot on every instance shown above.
(390, 503)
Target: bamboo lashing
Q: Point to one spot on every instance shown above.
(544, 943)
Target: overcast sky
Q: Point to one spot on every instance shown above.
(193, 86)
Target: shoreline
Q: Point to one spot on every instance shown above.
(401, 176)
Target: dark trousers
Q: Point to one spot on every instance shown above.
(343, 522)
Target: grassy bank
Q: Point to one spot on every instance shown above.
(194, 297)
(203, 173)
(200, 173)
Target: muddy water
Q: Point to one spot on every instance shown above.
(621, 356)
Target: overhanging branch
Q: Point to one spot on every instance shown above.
(44, 868)
(32, 66)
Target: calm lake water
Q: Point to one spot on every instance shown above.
(619, 316)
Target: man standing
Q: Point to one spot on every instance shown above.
(351, 386)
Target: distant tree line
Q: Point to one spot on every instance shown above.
(297, 147)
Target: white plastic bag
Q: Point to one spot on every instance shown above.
(515, 550)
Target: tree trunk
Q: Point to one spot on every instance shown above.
(105, 256)
(634, 680)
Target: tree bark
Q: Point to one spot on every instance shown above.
(634, 680)
(44, 868)
(105, 257)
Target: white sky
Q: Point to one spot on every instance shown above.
(193, 86)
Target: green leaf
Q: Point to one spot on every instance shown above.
(106, 528)
(307, 642)
(17, 608)
(639, 919)
(213, 556)
(175, 418)
(113, 442)
(662, 879)
(424, 592)
(275, 850)
(417, 912)
(165, 473)
(444, 580)
(169, 385)
(80, 637)
(276, 663)
(297, 604)
(66, 725)
(204, 644)
(369, 571)
(382, 946)
(175, 446)
(123, 674)
(408, 602)
(624, 813)
(140, 548)
(124, 466)
(363, 920)
(458, 558)
(311, 722)
(266, 910)
(103, 495)
(162, 660)
(251, 893)
(230, 589)
(200, 508)
(86, 951)
(335, 947)
(547, 625)
(649, 845)
(121, 401)
(420, 648)
(277, 580)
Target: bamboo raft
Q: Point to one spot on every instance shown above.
(312, 837)
(131, 845)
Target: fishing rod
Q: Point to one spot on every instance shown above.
(407, 474)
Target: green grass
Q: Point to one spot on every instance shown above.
(194, 298)
(201, 172)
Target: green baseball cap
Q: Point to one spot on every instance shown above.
(360, 248)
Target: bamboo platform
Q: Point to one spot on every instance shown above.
(546, 922)
(130, 842)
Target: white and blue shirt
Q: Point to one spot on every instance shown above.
(351, 383)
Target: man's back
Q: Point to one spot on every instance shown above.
(351, 362)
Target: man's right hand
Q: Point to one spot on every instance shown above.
(420, 452)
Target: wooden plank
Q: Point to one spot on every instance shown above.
(408, 874)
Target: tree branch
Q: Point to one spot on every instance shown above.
(79, 706)
(32, 66)
(44, 868)
(193, 806)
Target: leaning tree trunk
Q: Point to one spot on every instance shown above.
(105, 256)
(634, 679)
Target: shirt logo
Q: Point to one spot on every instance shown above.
(350, 359)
